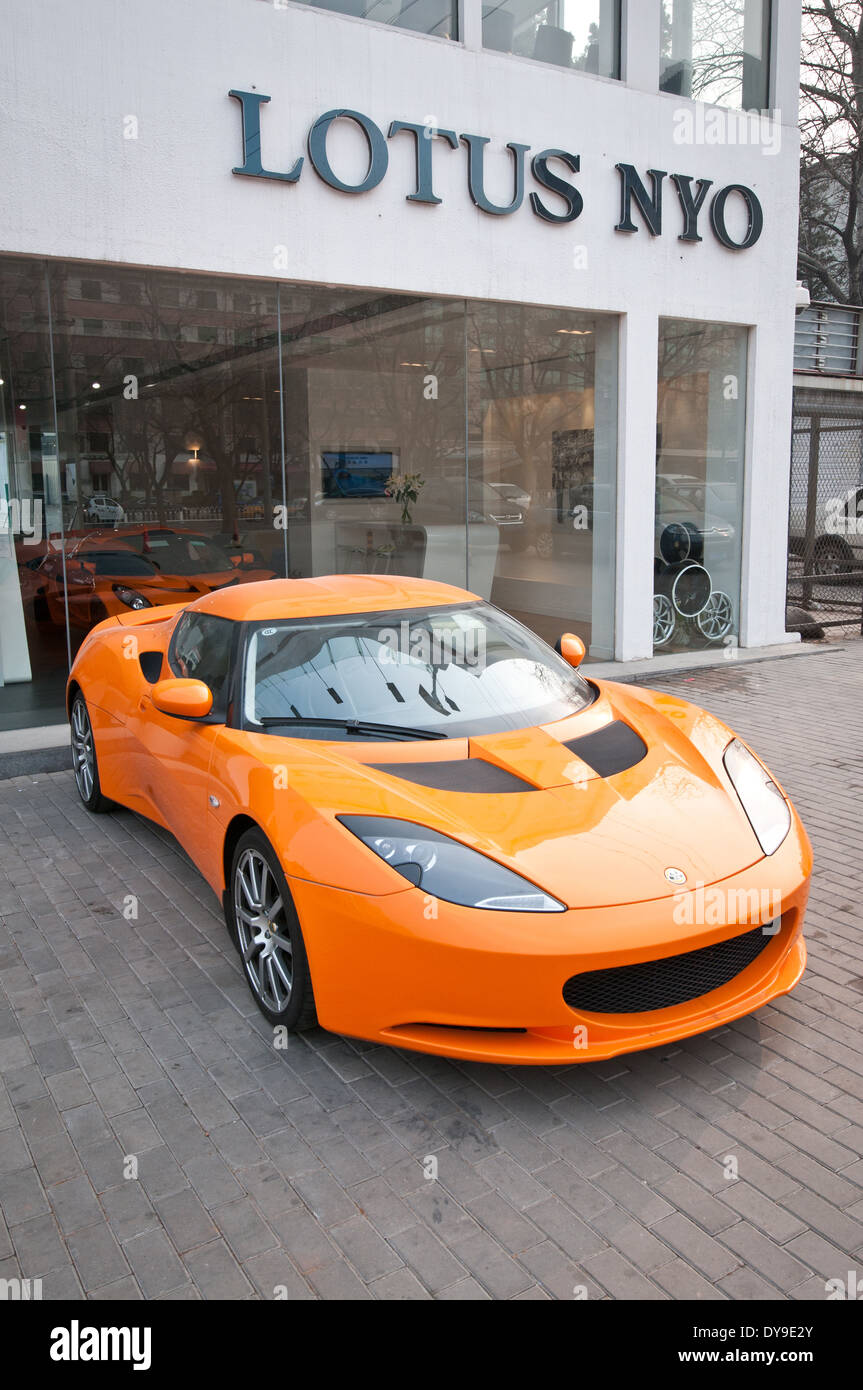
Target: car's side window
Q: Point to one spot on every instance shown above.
(201, 649)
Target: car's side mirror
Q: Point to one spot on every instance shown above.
(571, 648)
(185, 699)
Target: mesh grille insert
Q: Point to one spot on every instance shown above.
(660, 984)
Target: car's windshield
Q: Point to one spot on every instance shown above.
(181, 552)
(116, 562)
(454, 670)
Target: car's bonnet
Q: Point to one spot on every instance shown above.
(594, 809)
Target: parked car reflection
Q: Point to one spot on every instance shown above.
(110, 571)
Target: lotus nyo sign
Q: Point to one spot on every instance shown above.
(633, 189)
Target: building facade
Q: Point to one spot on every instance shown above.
(499, 294)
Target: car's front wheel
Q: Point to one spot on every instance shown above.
(84, 761)
(263, 922)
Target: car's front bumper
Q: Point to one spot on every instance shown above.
(410, 970)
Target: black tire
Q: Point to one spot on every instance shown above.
(40, 608)
(85, 763)
(265, 965)
(833, 558)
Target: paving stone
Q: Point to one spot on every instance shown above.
(762, 1254)
(304, 1240)
(14, 1154)
(154, 1263)
(273, 1276)
(128, 1210)
(434, 1266)
(768, 1216)
(212, 1180)
(97, 1256)
(491, 1265)
(376, 1200)
(400, 1286)
(324, 1197)
(21, 1196)
(185, 1219)
(466, 1290)
(682, 1283)
(368, 1252)
(39, 1247)
(696, 1246)
(823, 1217)
(243, 1228)
(338, 1281)
(121, 1291)
(621, 1279)
(216, 1272)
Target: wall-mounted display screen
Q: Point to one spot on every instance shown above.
(360, 474)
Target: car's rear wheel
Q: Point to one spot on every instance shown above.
(84, 762)
(833, 558)
(263, 922)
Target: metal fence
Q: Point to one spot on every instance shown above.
(827, 339)
(825, 534)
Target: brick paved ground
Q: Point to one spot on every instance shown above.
(259, 1169)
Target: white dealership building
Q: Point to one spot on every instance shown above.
(535, 262)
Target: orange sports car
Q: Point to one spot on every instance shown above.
(112, 569)
(429, 830)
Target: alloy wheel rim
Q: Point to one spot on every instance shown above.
(83, 756)
(715, 621)
(262, 930)
(663, 619)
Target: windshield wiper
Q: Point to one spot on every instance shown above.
(360, 727)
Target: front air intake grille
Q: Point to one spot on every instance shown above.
(660, 984)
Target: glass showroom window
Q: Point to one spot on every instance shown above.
(542, 447)
(374, 433)
(33, 642)
(700, 437)
(717, 51)
(582, 34)
(438, 17)
(208, 431)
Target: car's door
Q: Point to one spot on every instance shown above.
(175, 753)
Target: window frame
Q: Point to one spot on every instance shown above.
(224, 713)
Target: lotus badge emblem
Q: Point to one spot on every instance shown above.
(675, 875)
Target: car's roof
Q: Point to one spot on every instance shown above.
(110, 535)
(337, 593)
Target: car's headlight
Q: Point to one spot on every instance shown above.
(131, 597)
(447, 869)
(759, 795)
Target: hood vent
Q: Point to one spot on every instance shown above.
(457, 775)
(611, 749)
